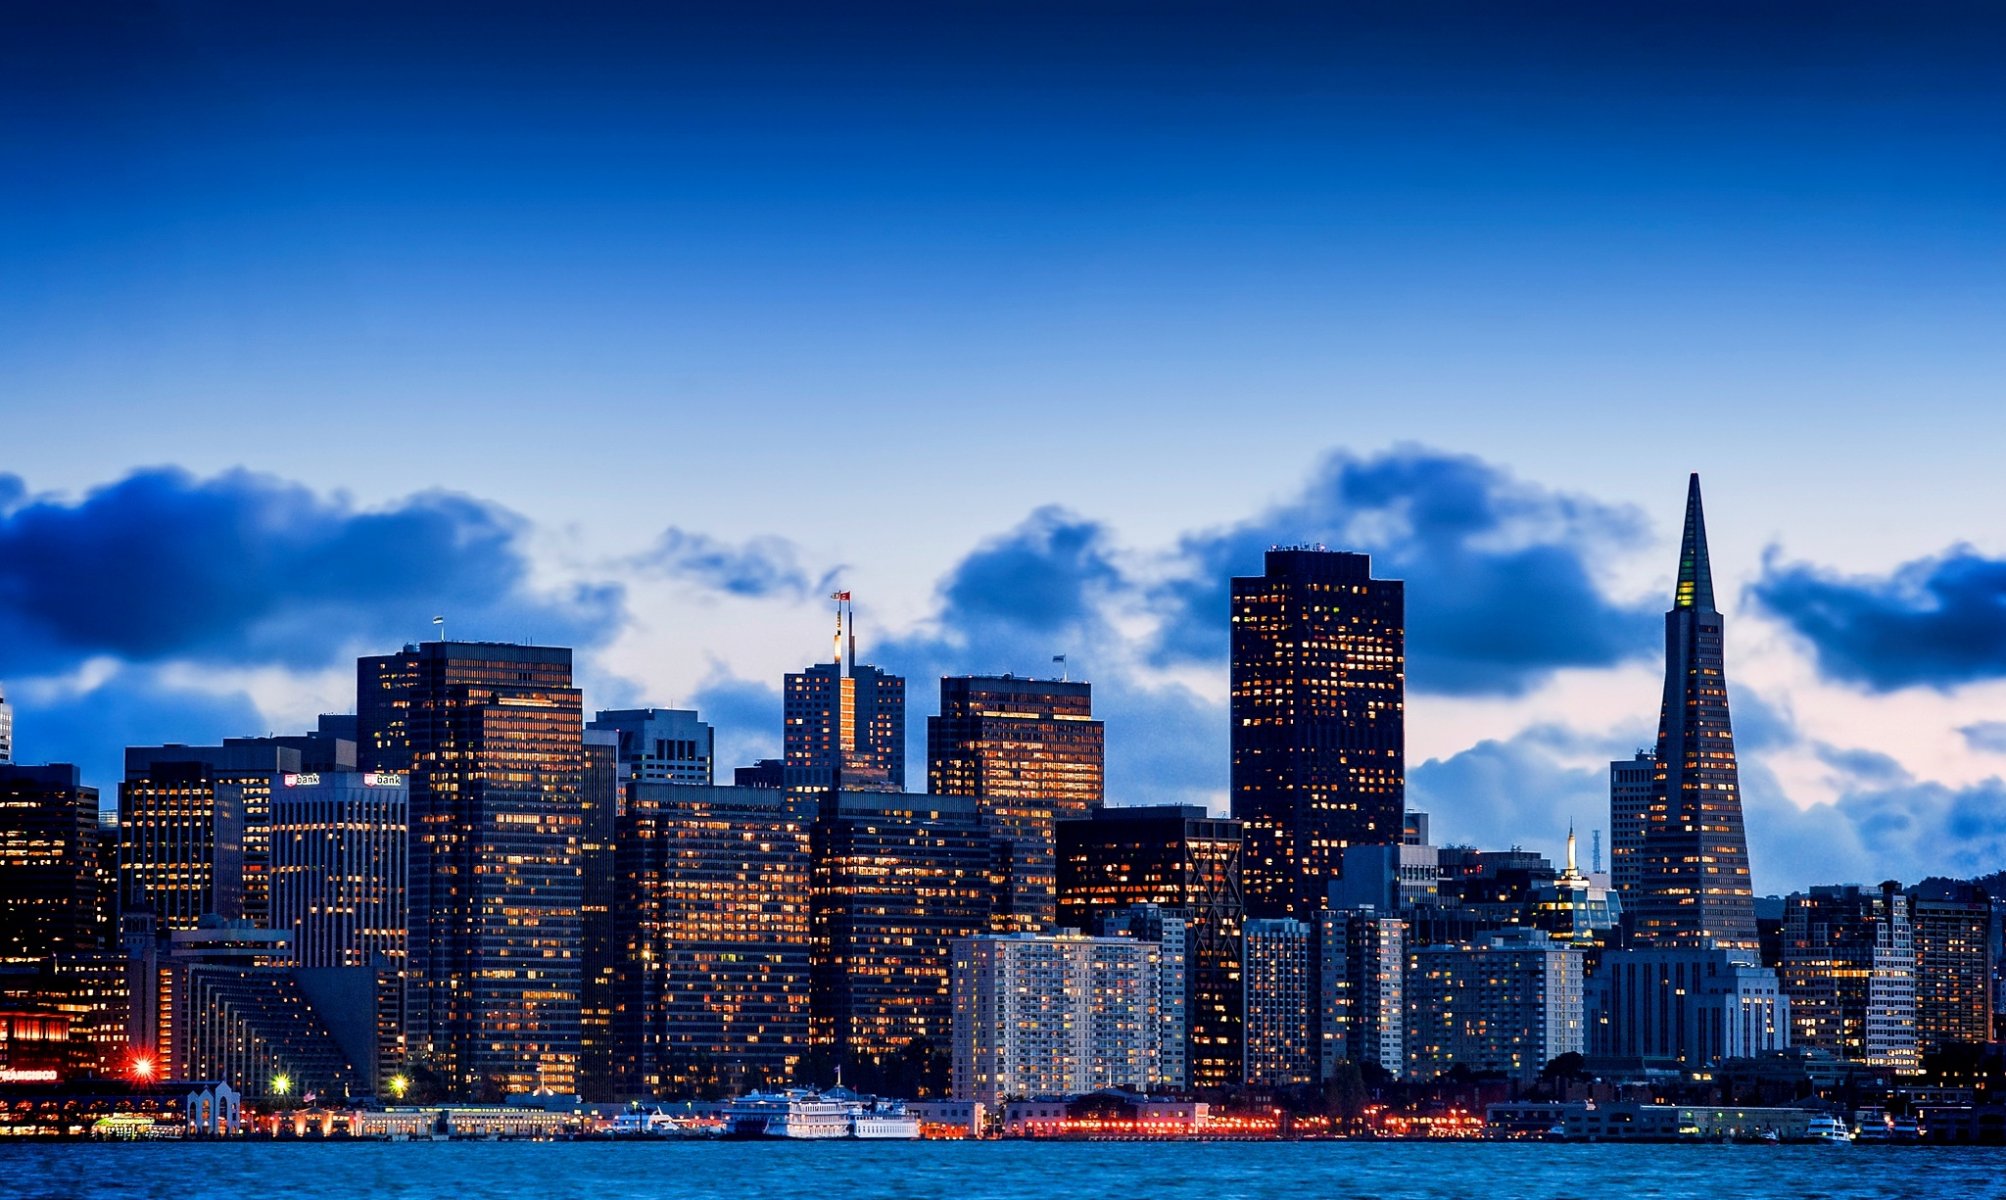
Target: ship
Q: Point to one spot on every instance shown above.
(806, 1114)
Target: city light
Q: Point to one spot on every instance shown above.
(142, 1067)
(399, 1084)
(281, 1084)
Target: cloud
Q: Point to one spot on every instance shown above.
(248, 569)
(745, 716)
(1936, 622)
(1988, 737)
(764, 566)
(91, 724)
(1501, 589)
(1517, 791)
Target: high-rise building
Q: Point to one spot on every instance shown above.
(1184, 861)
(1277, 977)
(1170, 933)
(1511, 1003)
(1574, 908)
(713, 928)
(660, 745)
(48, 863)
(1055, 1015)
(1361, 1011)
(6, 729)
(491, 738)
(845, 724)
(195, 829)
(897, 878)
(1685, 1009)
(599, 806)
(1631, 782)
(1318, 726)
(1031, 753)
(1693, 890)
(1849, 970)
(339, 842)
(1953, 926)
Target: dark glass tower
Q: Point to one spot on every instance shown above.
(1693, 888)
(1031, 753)
(1319, 730)
(48, 863)
(845, 724)
(491, 736)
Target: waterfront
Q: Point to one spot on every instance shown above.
(993, 1170)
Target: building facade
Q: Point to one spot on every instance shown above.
(1170, 933)
(1954, 928)
(1318, 721)
(490, 737)
(1694, 891)
(195, 829)
(1849, 970)
(660, 745)
(1511, 1003)
(339, 863)
(48, 863)
(1279, 989)
(1183, 861)
(1631, 781)
(713, 927)
(1031, 754)
(1361, 1007)
(1691, 1009)
(1055, 1015)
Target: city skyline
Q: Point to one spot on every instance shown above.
(309, 342)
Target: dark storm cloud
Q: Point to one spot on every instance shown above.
(765, 566)
(1936, 622)
(247, 569)
(132, 707)
(1500, 591)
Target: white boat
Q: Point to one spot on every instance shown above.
(1823, 1130)
(806, 1114)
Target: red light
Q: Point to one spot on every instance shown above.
(142, 1067)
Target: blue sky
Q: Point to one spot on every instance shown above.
(1029, 323)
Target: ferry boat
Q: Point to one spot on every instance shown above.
(1825, 1130)
(806, 1114)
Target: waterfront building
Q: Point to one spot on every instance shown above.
(599, 809)
(1170, 933)
(1954, 928)
(1055, 1015)
(49, 889)
(712, 968)
(1631, 784)
(1184, 861)
(1361, 1012)
(1510, 1003)
(1693, 890)
(1689, 1009)
(660, 745)
(845, 724)
(490, 736)
(1849, 969)
(1278, 1005)
(896, 878)
(195, 829)
(1318, 722)
(1031, 754)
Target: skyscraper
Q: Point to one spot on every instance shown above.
(1361, 1009)
(1032, 755)
(660, 745)
(48, 863)
(490, 736)
(339, 842)
(1849, 971)
(6, 729)
(1631, 783)
(845, 724)
(1278, 979)
(195, 829)
(600, 805)
(1693, 890)
(1187, 862)
(1318, 725)
(1512, 1002)
(1953, 924)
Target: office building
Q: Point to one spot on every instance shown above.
(599, 807)
(1031, 754)
(1184, 861)
(896, 879)
(491, 739)
(1953, 926)
(1055, 1015)
(1693, 890)
(1685, 1009)
(1361, 1008)
(712, 915)
(1278, 1007)
(6, 729)
(1849, 970)
(195, 829)
(48, 863)
(1631, 784)
(339, 843)
(1574, 908)
(1170, 933)
(845, 724)
(1318, 725)
(660, 745)
(766, 773)
(1511, 1003)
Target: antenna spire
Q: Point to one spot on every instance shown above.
(1695, 571)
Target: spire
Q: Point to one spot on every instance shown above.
(1570, 850)
(1695, 573)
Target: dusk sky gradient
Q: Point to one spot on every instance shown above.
(635, 327)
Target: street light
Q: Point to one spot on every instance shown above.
(399, 1084)
(281, 1084)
